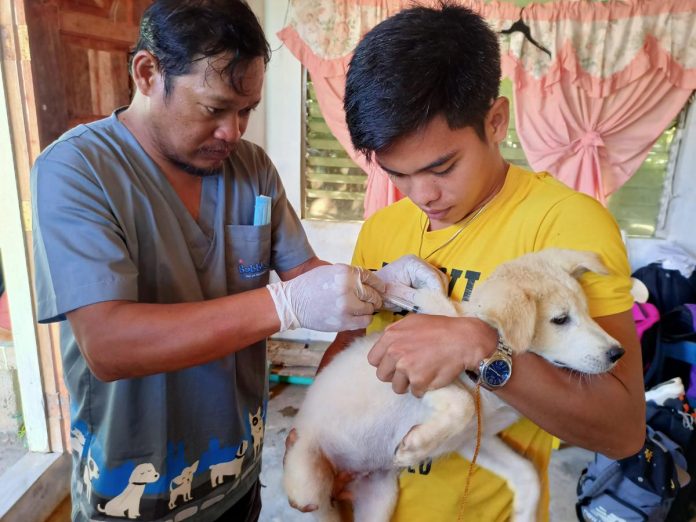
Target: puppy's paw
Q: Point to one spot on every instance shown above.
(416, 446)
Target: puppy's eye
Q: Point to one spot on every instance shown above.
(560, 319)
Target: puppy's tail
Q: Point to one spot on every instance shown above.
(308, 475)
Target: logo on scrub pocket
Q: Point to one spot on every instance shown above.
(252, 270)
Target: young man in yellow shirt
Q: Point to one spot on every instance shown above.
(422, 101)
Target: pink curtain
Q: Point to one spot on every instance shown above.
(595, 144)
(591, 114)
(619, 72)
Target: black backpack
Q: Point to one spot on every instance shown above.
(642, 487)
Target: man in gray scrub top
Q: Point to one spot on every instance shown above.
(145, 243)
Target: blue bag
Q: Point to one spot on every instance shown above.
(638, 488)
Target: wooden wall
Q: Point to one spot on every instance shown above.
(64, 62)
(79, 56)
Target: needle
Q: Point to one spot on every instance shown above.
(402, 303)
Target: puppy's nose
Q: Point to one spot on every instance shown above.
(615, 353)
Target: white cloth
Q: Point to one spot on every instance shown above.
(673, 257)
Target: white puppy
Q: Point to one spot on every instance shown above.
(352, 421)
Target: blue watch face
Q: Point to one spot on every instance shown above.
(496, 373)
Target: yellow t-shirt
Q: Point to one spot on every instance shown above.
(530, 213)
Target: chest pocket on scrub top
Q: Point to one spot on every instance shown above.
(248, 253)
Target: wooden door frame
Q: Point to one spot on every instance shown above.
(40, 480)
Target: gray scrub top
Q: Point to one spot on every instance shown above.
(109, 226)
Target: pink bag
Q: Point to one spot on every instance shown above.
(645, 315)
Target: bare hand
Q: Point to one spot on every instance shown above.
(426, 352)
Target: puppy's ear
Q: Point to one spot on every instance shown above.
(577, 262)
(511, 310)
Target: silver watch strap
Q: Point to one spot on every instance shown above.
(504, 347)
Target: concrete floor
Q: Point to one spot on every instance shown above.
(566, 464)
(11, 450)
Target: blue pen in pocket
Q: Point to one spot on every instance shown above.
(262, 210)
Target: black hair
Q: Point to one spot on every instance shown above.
(181, 32)
(415, 65)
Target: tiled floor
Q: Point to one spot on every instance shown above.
(566, 464)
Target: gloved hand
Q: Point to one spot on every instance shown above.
(329, 298)
(408, 274)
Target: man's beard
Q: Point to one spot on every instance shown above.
(189, 168)
(196, 171)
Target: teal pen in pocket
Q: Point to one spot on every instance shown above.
(262, 210)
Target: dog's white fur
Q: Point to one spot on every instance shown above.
(183, 485)
(229, 468)
(128, 501)
(352, 421)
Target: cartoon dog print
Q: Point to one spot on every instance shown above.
(90, 473)
(256, 423)
(128, 502)
(230, 468)
(183, 485)
(77, 441)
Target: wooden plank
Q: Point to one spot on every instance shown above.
(101, 8)
(88, 42)
(80, 90)
(296, 371)
(47, 62)
(39, 483)
(62, 513)
(285, 353)
(98, 28)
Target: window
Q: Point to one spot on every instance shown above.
(637, 204)
(334, 185)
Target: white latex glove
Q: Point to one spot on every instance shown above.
(329, 298)
(408, 274)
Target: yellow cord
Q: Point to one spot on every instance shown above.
(477, 405)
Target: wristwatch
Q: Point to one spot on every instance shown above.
(496, 370)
